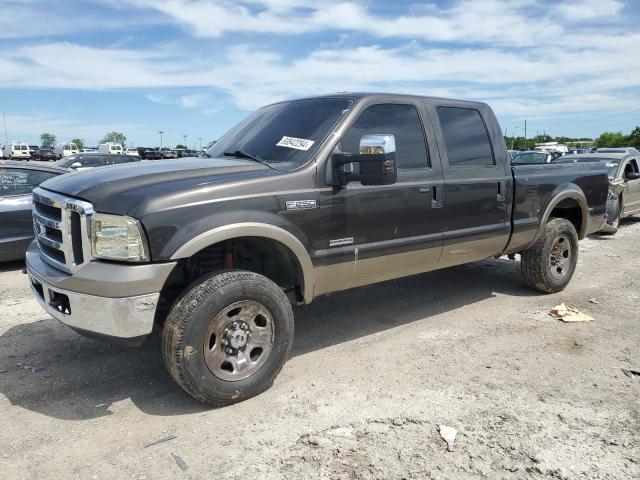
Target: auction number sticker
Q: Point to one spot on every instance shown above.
(297, 143)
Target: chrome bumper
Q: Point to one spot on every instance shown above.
(120, 317)
(101, 299)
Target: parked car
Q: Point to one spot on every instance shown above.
(47, 155)
(16, 151)
(88, 150)
(131, 151)
(624, 177)
(303, 198)
(166, 152)
(17, 180)
(33, 151)
(625, 150)
(66, 149)
(149, 153)
(533, 157)
(84, 161)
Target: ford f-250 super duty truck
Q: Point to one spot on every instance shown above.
(302, 198)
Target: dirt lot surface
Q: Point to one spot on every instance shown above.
(373, 373)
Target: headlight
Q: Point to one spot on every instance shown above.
(117, 237)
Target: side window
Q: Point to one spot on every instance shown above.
(465, 136)
(89, 161)
(400, 120)
(17, 181)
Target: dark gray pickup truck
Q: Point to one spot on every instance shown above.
(302, 198)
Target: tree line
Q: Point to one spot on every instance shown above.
(48, 140)
(606, 139)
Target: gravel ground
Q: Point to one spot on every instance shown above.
(373, 373)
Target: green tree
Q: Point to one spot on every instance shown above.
(47, 140)
(181, 146)
(115, 137)
(633, 140)
(611, 139)
(79, 143)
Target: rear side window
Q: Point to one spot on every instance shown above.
(400, 120)
(465, 136)
(17, 181)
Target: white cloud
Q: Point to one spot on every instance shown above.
(590, 9)
(192, 100)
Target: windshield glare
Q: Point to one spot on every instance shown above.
(298, 126)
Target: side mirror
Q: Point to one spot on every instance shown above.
(75, 165)
(632, 176)
(376, 158)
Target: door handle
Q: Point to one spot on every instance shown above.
(436, 196)
(501, 191)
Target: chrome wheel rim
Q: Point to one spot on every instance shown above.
(239, 340)
(560, 257)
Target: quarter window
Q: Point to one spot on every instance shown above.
(400, 120)
(465, 136)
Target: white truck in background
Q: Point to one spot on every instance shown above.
(66, 149)
(110, 148)
(16, 151)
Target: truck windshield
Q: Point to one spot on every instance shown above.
(610, 163)
(529, 158)
(284, 135)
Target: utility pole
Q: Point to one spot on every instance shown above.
(161, 132)
(184, 137)
(525, 130)
(200, 143)
(6, 137)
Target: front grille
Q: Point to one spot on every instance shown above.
(61, 226)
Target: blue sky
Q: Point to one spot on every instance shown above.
(196, 67)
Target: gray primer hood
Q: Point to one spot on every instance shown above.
(122, 188)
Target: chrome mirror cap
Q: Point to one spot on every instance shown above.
(373, 143)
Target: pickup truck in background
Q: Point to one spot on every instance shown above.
(302, 198)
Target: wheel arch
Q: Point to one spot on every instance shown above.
(260, 230)
(573, 197)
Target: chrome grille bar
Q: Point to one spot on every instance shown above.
(42, 221)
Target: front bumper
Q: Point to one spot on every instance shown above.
(95, 310)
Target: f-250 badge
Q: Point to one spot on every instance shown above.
(301, 204)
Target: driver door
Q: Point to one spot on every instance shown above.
(631, 195)
(375, 233)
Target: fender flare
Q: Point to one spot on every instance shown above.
(254, 229)
(573, 194)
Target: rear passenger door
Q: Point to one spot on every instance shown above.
(476, 223)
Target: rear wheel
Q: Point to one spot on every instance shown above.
(228, 337)
(549, 264)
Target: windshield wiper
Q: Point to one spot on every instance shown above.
(243, 154)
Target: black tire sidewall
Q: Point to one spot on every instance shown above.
(195, 367)
(559, 227)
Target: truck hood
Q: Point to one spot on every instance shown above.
(120, 188)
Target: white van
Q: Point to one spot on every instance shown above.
(66, 149)
(17, 151)
(110, 148)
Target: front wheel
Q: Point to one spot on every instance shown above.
(548, 265)
(228, 337)
(610, 228)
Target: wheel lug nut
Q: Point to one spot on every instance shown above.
(235, 324)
